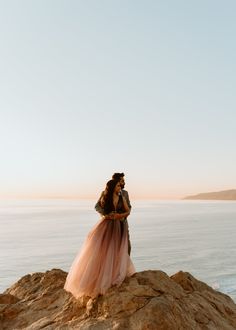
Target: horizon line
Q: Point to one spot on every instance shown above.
(94, 197)
(88, 197)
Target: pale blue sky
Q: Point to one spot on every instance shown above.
(88, 88)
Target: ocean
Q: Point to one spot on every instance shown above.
(194, 236)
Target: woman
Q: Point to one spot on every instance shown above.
(103, 260)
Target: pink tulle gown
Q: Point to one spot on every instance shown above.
(103, 260)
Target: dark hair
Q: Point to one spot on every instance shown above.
(117, 176)
(107, 198)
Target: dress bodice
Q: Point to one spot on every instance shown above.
(120, 206)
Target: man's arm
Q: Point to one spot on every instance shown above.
(126, 195)
(98, 206)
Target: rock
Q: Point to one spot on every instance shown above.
(8, 299)
(147, 300)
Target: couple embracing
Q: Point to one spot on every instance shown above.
(104, 259)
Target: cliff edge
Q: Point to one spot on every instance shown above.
(148, 300)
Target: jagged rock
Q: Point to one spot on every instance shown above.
(147, 300)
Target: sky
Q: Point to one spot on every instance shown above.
(89, 88)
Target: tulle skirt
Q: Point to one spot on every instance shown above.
(103, 260)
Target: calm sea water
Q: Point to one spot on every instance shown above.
(194, 236)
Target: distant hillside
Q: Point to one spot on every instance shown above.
(220, 195)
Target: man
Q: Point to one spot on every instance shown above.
(99, 209)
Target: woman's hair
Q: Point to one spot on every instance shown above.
(107, 198)
(117, 176)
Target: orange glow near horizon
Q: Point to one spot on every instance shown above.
(86, 196)
(68, 193)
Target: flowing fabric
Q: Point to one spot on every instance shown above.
(103, 260)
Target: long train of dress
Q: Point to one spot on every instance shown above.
(103, 260)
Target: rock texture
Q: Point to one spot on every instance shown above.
(147, 300)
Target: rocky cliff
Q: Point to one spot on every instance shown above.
(147, 300)
(219, 195)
